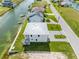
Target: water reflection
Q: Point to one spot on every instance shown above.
(9, 23)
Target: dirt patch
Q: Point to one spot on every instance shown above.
(39, 55)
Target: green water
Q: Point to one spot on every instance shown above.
(9, 24)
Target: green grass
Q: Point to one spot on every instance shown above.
(63, 47)
(52, 17)
(35, 46)
(39, 4)
(60, 36)
(18, 44)
(54, 27)
(47, 10)
(77, 1)
(0, 0)
(47, 20)
(3, 10)
(17, 1)
(71, 16)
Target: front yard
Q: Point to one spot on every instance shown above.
(54, 27)
(50, 16)
(61, 36)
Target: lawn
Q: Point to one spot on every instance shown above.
(35, 46)
(0, 0)
(63, 47)
(61, 36)
(47, 9)
(77, 1)
(54, 27)
(50, 16)
(17, 1)
(3, 10)
(18, 43)
(71, 16)
(39, 4)
(47, 20)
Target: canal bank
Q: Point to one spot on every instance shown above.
(9, 24)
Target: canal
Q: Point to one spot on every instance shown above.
(9, 23)
(75, 6)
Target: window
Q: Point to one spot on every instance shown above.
(38, 35)
(31, 35)
(36, 39)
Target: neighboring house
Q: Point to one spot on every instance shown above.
(67, 2)
(55, 0)
(36, 32)
(39, 0)
(38, 9)
(36, 17)
(36, 14)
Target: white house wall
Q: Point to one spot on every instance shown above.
(41, 38)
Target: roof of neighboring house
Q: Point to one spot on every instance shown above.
(36, 29)
(36, 17)
(66, 3)
(37, 9)
(36, 13)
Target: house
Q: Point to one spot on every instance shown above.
(67, 2)
(7, 3)
(54, 0)
(38, 9)
(36, 32)
(36, 17)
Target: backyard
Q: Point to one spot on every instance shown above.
(18, 45)
(63, 47)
